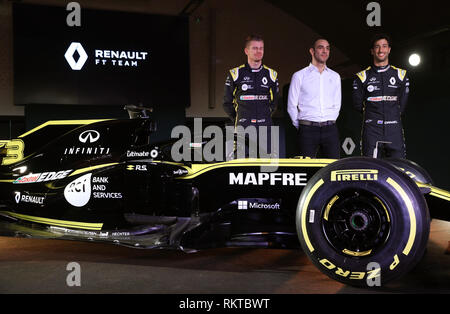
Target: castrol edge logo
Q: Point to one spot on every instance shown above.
(42, 177)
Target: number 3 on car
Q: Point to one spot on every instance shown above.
(11, 151)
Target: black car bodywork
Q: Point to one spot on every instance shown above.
(104, 180)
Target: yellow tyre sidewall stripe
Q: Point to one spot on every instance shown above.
(406, 200)
(304, 211)
(412, 215)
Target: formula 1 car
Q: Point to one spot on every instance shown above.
(358, 219)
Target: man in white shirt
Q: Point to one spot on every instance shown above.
(314, 102)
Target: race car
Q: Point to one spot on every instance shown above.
(358, 219)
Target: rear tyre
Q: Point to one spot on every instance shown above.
(362, 222)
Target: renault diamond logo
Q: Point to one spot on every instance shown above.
(76, 47)
(17, 197)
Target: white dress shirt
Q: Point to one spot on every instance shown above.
(314, 96)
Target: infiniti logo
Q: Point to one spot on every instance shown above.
(76, 47)
(89, 136)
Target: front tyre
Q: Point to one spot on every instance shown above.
(362, 222)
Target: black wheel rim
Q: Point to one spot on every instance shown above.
(356, 223)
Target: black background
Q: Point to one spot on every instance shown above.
(43, 76)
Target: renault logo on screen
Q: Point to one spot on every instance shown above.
(76, 56)
(69, 55)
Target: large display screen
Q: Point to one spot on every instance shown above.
(111, 58)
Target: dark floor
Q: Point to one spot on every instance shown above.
(40, 266)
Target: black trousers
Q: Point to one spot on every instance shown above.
(262, 148)
(387, 133)
(313, 138)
